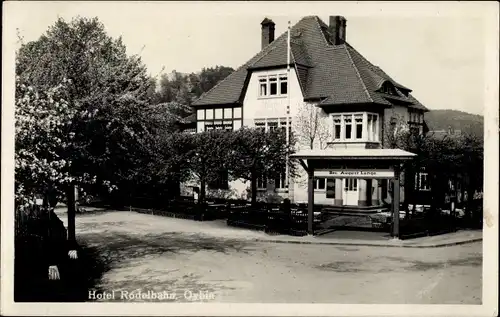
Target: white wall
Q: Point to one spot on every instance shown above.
(255, 107)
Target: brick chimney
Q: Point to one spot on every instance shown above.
(267, 32)
(337, 29)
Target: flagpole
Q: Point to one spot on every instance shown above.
(287, 172)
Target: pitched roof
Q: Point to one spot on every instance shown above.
(334, 74)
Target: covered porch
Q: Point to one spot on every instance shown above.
(350, 175)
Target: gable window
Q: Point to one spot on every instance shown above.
(273, 85)
(388, 88)
(283, 84)
(263, 87)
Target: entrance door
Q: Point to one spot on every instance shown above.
(350, 192)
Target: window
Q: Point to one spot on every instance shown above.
(272, 126)
(351, 184)
(260, 126)
(388, 88)
(359, 127)
(262, 87)
(237, 112)
(218, 125)
(280, 180)
(201, 114)
(337, 122)
(320, 183)
(330, 188)
(348, 127)
(261, 182)
(218, 113)
(273, 85)
(373, 132)
(236, 124)
(209, 114)
(283, 84)
(218, 119)
(422, 181)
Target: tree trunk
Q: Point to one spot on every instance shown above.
(71, 214)
(253, 184)
(201, 199)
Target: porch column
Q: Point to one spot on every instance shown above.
(369, 192)
(375, 193)
(395, 202)
(310, 199)
(338, 191)
(362, 192)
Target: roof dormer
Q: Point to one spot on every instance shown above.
(388, 88)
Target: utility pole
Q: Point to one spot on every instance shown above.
(287, 171)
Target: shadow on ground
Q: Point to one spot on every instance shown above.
(114, 247)
(400, 264)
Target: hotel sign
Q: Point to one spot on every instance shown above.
(355, 173)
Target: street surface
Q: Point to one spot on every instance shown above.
(182, 260)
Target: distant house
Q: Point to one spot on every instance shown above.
(358, 100)
(450, 133)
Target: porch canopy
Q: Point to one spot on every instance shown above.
(354, 163)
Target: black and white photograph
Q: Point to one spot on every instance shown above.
(318, 158)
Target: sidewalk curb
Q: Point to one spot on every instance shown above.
(437, 245)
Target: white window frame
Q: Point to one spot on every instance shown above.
(420, 176)
(370, 131)
(219, 119)
(267, 79)
(267, 124)
(351, 184)
(261, 183)
(316, 184)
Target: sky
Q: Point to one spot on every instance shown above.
(437, 51)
